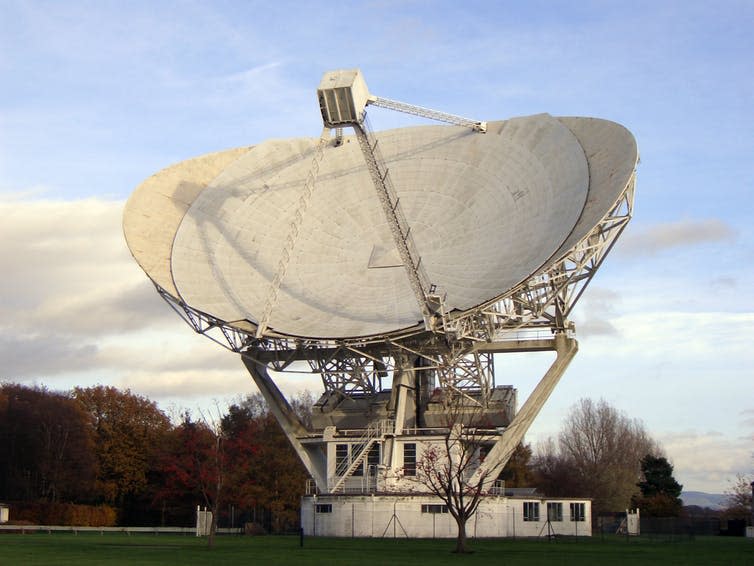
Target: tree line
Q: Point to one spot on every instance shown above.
(603, 454)
(121, 460)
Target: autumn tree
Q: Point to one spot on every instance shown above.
(241, 459)
(46, 448)
(128, 430)
(552, 472)
(267, 476)
(598, 454)
(302, 404)
(660, 492)
(241, 427)
(193, 467)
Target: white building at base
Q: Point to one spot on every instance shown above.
(425, 516)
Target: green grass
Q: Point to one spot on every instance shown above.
(80, 550)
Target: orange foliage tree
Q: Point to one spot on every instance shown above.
(128, 430)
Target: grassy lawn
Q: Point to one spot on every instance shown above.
(83, 549)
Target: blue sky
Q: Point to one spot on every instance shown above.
(97, 96)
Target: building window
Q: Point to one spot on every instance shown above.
(345, 454)
(323, 507)
(359, 471)
(577, 512)
(554, 511)
(373, 458)
(409, 459)
(531, 511)
(434, 508)
(341, 459)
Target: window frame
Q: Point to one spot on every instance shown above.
(374, 457)
(342, 454)
(555, 511)
(434, 508)
(531, 511)
(578, 511)
(409, 459)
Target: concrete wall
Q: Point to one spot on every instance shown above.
(403, 516)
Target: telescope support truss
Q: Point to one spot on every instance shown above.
(307, 443)
(427, 113)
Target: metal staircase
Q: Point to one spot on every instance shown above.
(375, 432)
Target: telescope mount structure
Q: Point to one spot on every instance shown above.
(396, 266)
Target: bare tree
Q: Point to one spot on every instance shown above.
(598, 454)
(446, 468)
(214, 488)
(738, 498)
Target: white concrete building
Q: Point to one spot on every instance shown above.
(375, 486)
(425, 516)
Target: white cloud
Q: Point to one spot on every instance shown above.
(62, 237)
(196, 384)
(707, 460)
(684, 336)
(68, 283)
(681, 233)
(595, 309)
(76, 304)
(747, 419)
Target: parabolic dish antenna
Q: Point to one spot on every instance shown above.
(396, 265)
(486, 212)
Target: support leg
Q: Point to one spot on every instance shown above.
(311, 457)
(501, 452)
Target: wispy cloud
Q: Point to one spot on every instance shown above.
(68, 283)
(747, 421)
(723, 460)
(682, 233)
(75, 302)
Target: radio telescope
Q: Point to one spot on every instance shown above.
(394, 265)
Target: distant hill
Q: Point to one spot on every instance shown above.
(701, 499)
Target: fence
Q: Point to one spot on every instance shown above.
(671, 527)
(23, 529)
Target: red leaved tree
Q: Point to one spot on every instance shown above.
(193, 467)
